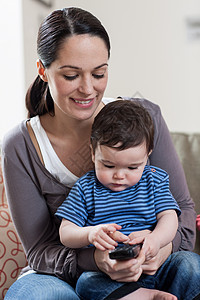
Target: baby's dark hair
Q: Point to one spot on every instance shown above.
(125, 122)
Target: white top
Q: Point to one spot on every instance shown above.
(51, 161)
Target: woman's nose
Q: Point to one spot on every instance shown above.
(86, 86)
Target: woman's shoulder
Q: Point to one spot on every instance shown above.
(14, 137)
(153, 109)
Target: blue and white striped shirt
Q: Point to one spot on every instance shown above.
(89, 203)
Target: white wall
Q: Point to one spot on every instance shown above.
(33, 14)
(151, 53)
(11, 65)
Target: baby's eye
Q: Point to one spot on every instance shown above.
(108, 166)
(132, 168)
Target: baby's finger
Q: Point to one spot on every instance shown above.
(110, 228)
(102, 245)
(137, 240)
(107, 241)
(119, 236)
(115, 226)
(99, 246)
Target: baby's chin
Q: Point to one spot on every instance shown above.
(117, 187)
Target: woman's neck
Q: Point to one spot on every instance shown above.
(62, 129)
(70, 141)
(63, 126)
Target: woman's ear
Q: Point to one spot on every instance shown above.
(41, 70)
(150, 152)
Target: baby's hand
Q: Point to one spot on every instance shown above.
(150, 246)
(100, 238)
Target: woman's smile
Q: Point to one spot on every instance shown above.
(84, 102)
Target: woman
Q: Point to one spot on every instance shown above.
(45, 155)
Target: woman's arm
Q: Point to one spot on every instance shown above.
(33, 196)
(165, 157)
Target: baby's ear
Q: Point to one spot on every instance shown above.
(92, 153)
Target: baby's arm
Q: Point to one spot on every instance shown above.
(163, 233)
(73, 236)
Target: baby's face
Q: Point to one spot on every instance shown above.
(119, 169)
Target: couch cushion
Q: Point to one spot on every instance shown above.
(188, 149)
(12, 257)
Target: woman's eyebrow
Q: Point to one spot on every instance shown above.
(77, 68)
(101, 66)
(69, 66)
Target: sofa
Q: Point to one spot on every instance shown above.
(12, 258)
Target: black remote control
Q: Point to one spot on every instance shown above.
(125, 252)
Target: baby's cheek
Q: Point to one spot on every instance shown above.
(102, 176)
(135, 178)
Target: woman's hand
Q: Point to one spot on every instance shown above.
(124, 271)
(130, 270)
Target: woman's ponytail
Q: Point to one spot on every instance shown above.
(38, 99)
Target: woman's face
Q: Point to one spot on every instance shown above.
(77, 79)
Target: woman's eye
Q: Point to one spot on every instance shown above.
(67, 77)
(98, 76)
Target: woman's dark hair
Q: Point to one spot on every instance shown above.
(55, 28)
(125, 122)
